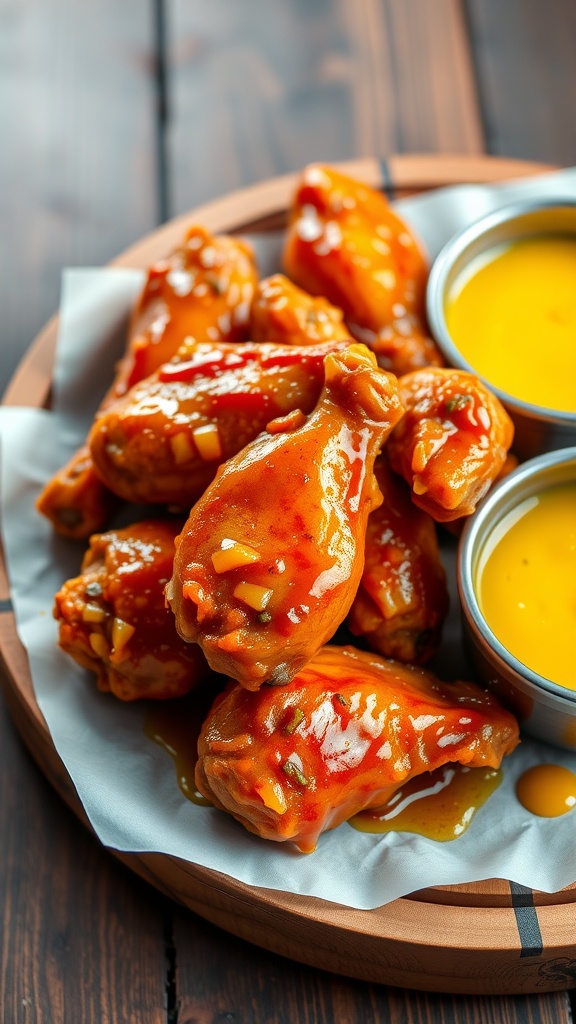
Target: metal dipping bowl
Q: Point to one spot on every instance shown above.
(537, 429)
(545, 709)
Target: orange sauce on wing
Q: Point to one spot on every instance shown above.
(175, 726)
(438, 805)
(547, 790)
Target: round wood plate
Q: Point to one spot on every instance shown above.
(489, 937)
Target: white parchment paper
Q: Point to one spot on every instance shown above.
(127, 783)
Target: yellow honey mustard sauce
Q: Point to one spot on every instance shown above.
(547, 790)
(512, 314)
(526, 583)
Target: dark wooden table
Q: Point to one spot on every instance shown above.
(113, 117)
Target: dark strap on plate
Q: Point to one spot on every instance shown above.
(526, 920)
(387, 183)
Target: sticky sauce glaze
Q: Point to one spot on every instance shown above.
(175, 726)
(439, 805)
(547, 790)
(526, 583)
(512, 315)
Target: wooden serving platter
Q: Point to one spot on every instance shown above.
(491, 937)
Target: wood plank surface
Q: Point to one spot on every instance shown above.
(81, 940)
(525, 57)
(219, 978)
(319, 81)
(254, 89)
(77, 165)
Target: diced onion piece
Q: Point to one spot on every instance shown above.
(420, 457)
(121, 633)
(233, 554)
(207, 441)
(254, 596)
(182, 447)
(271, 795)
(418, 486)
(99, 645)
(93, 613)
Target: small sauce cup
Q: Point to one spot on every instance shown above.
(546, 709)
(538, 428)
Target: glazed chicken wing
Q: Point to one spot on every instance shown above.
(114, 621)
(291, 762)
(402, 599)
(269, 561)
(164, 441)
(284, 314)
(203, 289)
(345, 242)
(452, 441)
(75, 499)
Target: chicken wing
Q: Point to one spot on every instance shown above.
(284, 314)
(345, 242)
(203, 289)
(402, 599)
(269, 561)
(114, 621)
(291, 762)
(164, 441)
(452, 442)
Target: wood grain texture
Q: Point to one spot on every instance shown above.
(77, 165)
(524, 53)
(314, 79)
(81, 940)
(217, 977)
(260, 88)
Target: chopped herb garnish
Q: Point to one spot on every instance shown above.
(297, 717)
(93, 589)
(293, 772)
(458, 402)
(264, 618)
(342, 699)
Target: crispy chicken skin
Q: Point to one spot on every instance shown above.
(203, 289)
(346, 243)
(164, 441)
(270, 559)
(452, 441)
(291, 762)
(284, 314)
(75, 499)
(114, 621)
(402, 599)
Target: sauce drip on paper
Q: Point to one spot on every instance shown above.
(175, 725)
(439, 805)
(547, 790)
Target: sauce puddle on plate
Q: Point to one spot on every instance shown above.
(175, 726)
(547, 790)
(439, 805)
